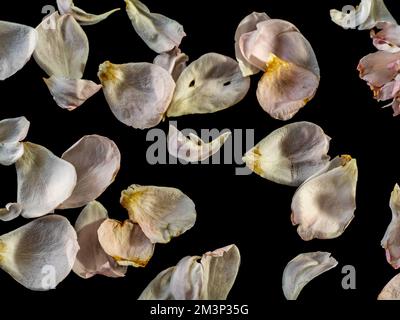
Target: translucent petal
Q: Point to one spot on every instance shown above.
(173, 61)
(387, 39)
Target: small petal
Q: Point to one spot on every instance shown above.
(125, 242)
(212, 83)
(97, 161)
(173, 61)
(137, 93)
(10, 212)
(392, 289)
(162, 213)
(324, 205)
(387, 39)
(159, 32)
(40, 254)
(302, 269)
(291, 154)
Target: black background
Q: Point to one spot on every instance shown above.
(246, 210)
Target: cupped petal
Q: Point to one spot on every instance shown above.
(392, 290)
(12, 131)
(138, 93)
(159, 32)
(173, 61)
(387, 39)
(97, 161)
(10, 212)
(125, 242)
(324, 205)
(40, 254)
(302, 269)
(212, 83)
(163, 213)
(291, 154)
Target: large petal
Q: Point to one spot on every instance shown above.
(291, 154)
(159, 32)
(387, 39)
(212, 83)
(137, 93)
(392, 290)
(302, 269)
(173, 61)
(162, 213)
(40, 254)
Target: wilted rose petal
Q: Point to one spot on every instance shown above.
(173, 61)
(324, 205)
(193, 149)
(10, 212)
(210, 279)
(84, 18)
(159, 32)
(125, 242)
(392, 290)
(367, 15)
(302, 269)
(162, 213)
(137, 93)
(97, 161)
(290, 154)
(212, 83)
(40, 254)
(387, 39)
(91, 258)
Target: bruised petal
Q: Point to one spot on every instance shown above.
(159, 32)
(193, 149)
(324, 205)
(137, 93)
(10, 212)
(71, 93)
(392, 290)
(17, 45)
(173, 61)
(302, 269)
(40, 254)
(290, 154)
(212, 83)
(97, 161)
(125, 242)
(162, 213)
(387, 39)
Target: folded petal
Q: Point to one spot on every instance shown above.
(159, 32)
(91, 258)
(40, 254)
(387, 39)
(162, 213)
(173, 61)
(97, 161)
(324, 205)
(302, 269)
(291, 154)
(212, 83)
(392, 290)
(10, 212)
(137, 93)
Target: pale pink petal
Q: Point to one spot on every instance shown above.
(173, 61)
(387, 39)
(392, 290)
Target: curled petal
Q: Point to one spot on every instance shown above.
(10, 212)
(212, 83)
(173, 61)
(302, 269)
(387, 39)
(137, 93)
(71, 93)
(324, 205)
(91, 258)
(392, 290)
(125, 242)
(97, 161)
(162, 213)
(63, 47)
(40, 254)
(159, 32)
(193, 149)
(291, 154)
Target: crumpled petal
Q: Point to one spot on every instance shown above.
(63, 47)
(83, 18)
(17, 45)
(324, 205)
(302, 269)
(387, 39)
(212, 83)
(125, 242)
(367, 15)
(91, 258)
(248, 24)
(159, 32)
(137, 93)
(291, 154)
(97, 161)
(193, 149)
(173, 61)
(12, 131)
(392, 289)
(163, 213)
(10, 212)
(210, 279)
(40, 254)
(71, 93)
